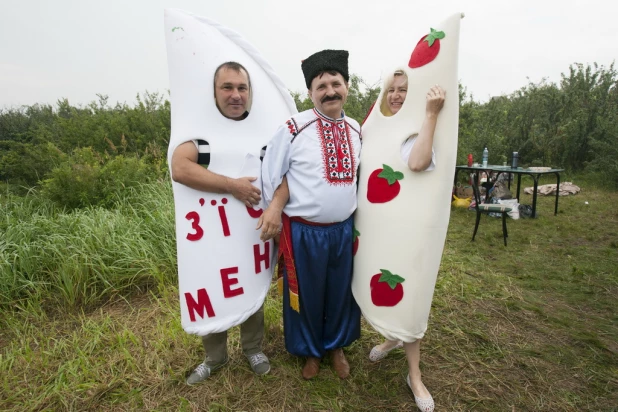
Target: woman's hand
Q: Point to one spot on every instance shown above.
(435, 101)
(420, 157)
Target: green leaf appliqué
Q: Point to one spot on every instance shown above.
(390, 278)
(390, 175)
(433, 36)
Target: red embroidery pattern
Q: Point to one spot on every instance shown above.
(337, 151)
(291, 127)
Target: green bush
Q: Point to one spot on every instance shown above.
(88, 179)
(121, 173)
(26, 164)
(50, 257)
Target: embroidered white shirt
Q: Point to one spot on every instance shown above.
(320, 157)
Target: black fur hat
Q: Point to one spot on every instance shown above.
(325, 60)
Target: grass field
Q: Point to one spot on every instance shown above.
(90, 322)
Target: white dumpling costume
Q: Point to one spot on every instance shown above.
(402, 218)
(224, 269)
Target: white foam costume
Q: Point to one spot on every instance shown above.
(403, 233)
(224, 269)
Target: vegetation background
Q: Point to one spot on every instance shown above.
(88, 291)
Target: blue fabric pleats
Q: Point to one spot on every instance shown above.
(329, 317)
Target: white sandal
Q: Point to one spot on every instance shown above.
(424, 404)
(376, 354)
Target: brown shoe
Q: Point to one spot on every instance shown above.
(311, 368)
(340, 364)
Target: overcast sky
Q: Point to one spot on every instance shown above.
(50, 49)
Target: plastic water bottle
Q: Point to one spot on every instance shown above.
(485, 157)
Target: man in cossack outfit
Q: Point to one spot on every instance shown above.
(309, 173)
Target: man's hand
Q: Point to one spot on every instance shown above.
(243, 190)
(270, 222)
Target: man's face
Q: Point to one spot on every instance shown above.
(328, 94)
(232, 92)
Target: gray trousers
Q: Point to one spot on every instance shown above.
(251, 335)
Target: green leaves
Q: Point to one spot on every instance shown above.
(572, 124)
(433, 36)
(390, 278)
(390, 175)
(356, 233)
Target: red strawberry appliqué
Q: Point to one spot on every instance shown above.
(383, 185)
(386, 288)
(355, 244)
(426, 49)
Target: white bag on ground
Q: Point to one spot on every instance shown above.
(512, 203)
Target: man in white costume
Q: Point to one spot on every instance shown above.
(189, 167)
(314, 157)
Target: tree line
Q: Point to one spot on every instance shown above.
(571, 124)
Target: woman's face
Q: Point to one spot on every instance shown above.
(396, 94)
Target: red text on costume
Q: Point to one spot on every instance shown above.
(194, 217)
(222, 216)
(203, 302)
(228, 282)
(261, 257)
(254, 213)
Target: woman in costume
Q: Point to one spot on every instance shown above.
(417, 152)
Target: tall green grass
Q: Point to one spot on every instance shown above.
(53, 258)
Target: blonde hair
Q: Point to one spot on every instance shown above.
(386, 111)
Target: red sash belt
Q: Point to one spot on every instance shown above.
(285, 258)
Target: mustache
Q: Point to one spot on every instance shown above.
(331, 98)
